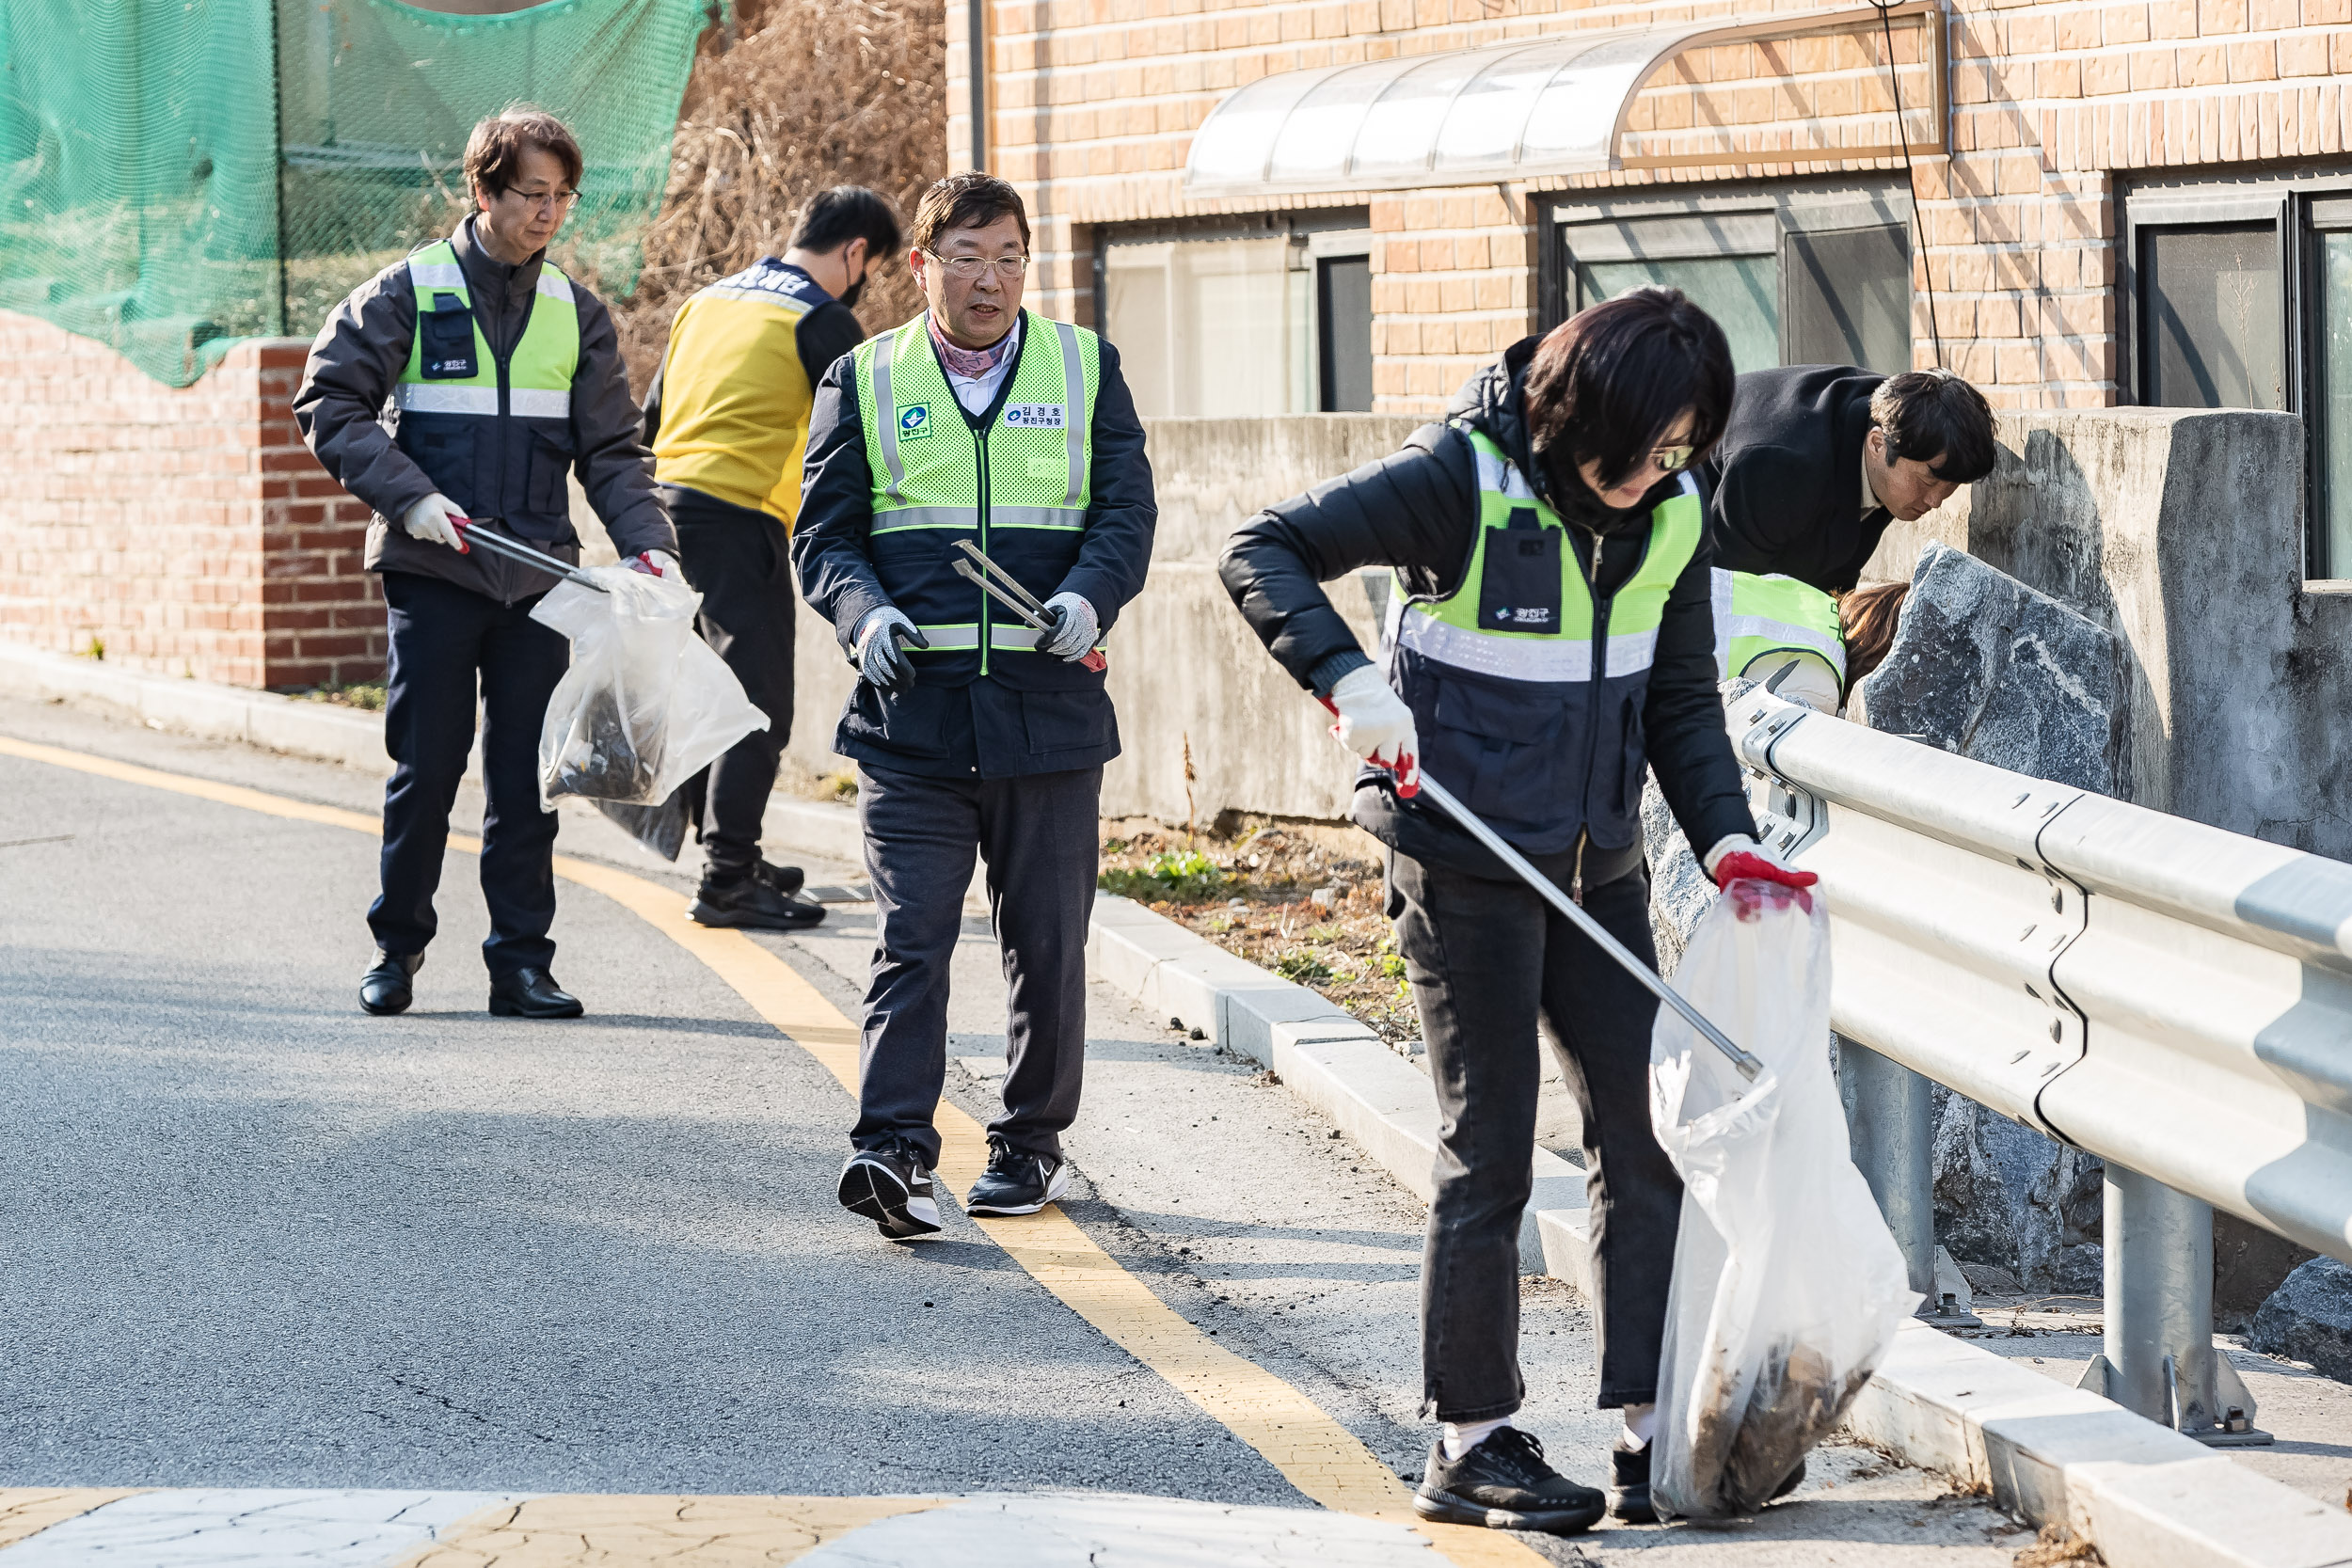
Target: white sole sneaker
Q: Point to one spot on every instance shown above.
(1055, 1185)
(871, 1188)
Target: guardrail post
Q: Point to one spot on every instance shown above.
(1890, 1127)
(2159, 1359)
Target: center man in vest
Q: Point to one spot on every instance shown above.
(508, 379)
(978, 422)
(1548, 635)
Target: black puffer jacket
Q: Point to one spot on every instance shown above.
(1417, 511)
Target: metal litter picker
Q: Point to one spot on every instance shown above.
(1000, 585)
(1410, 781)
(472, 532)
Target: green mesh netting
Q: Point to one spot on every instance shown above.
(178, 174)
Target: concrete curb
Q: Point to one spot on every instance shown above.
(289, 724)
(2146, 1496)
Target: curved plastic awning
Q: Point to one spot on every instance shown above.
(1536, 106)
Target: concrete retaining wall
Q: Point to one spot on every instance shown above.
(2182, 530)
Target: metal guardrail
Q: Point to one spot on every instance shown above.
(2174, 998)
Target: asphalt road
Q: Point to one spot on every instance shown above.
(259, 1240)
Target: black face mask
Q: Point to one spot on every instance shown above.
(850, 296)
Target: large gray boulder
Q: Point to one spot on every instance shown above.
(1679, 889)
(1984, 666)
(2310, 1319)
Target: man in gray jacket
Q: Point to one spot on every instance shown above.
(506, 376)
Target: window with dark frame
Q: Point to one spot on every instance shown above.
(1343, 334)
(2240, 296)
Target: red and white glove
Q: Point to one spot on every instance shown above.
(656, 564)
(1740, 858)
(1376, 725)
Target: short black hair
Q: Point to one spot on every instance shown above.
(1607, 383)
(967, 200)
(1935, 417)
(832, 219)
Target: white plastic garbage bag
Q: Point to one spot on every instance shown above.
(1787, 1285)
(645, 705)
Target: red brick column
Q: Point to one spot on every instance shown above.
(181, 531)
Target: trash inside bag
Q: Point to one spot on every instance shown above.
(661, 828)
(1787, 1285)
(645, 705)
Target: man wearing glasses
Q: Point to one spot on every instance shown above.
(507, 377)
(982, 424)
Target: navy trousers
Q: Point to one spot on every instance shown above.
(1040, 836)
(443, 638)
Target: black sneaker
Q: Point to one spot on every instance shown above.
(1016, 1181)
(785, 879)
(891, 1187)
(746, 900)
(1629, 1484)
(1504, 1484)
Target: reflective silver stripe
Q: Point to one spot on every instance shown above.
(961, 637)
(1015, 639)
(555, 285)
(530, 402)
(1481, 653)
(423, 397)
(1781, 635)
(1073, 395)
(1496, 474)
(759, 296)
(891, 521)
(436, 275)
(886, 417)
(1719, 595)
(1630, 653)
(1036, 516)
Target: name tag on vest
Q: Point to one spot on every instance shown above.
(1036, 416)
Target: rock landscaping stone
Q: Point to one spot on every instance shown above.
(2310, 1319)
(2009, 1198)
(1984, 666)
(1679, 889)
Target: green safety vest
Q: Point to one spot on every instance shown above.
(1526, 688)
(1759, 615)
(495, 439)
(1018, 486)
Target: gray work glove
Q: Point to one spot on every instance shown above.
(879, 658)
(1072, 627)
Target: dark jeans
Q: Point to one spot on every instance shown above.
(1040, 837)
(740, 561)
(442, 637)
(1488, 961)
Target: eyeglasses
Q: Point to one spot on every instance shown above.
(561, 201)
(972, 268)
(1672, 460)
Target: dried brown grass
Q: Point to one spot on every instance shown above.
(809, 93)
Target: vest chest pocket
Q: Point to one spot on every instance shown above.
(1518, 580)
(446, 341)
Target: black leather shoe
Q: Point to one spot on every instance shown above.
(1504, 1484)
(385, 988)
(1017, 1181)
(532, 993)
(784, 878)
(1629, 1484)
(747, 900)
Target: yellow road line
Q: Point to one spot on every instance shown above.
(1315, 1453)
(678, 1532)
(29, 1509)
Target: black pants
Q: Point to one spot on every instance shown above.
(1488, 961)
(1040, 836)
(740, 561)
(442, 637)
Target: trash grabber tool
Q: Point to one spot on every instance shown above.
(1748, 1063)
(1006, 590)
(473, 533)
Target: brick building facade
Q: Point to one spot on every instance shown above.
(182, 531)
(2114, 201)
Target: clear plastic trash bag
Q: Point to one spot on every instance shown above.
(647, 705)
(1787, 1285)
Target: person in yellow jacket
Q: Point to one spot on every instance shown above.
(727, 418)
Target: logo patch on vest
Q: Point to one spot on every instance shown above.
(1036, 416)
(914, 421)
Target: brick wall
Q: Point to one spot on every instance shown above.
(181, 531)
(1093, 106)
